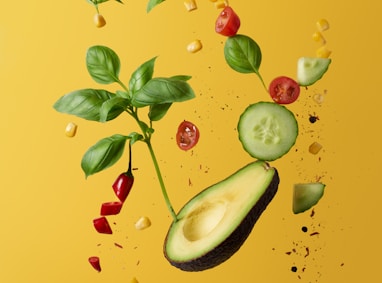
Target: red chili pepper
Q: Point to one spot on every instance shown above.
(102, 225)
(94, 261)
(123, 185)
(111, 208)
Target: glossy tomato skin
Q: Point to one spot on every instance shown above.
(187, 135)
(284, 90)
(228, 22)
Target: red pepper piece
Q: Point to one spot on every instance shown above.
(111, 208)
(102, 225)
(123, 185)
(94, 261)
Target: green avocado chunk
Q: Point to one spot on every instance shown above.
(215, 223)
(306, 195)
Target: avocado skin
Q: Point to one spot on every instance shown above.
(233, 243)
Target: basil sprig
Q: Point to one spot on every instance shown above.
(100, 105)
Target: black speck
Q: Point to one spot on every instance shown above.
(294, 269)
(313, 118)
(304, 229)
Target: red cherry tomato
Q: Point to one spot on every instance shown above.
(187, 136)
(284, 90)
(228, 22)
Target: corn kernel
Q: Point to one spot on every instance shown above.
(134, 280)
(194, 46)
(142, 223)
(318, 37)
(220, 4)
(190, 5)
(315, 147)
(71, 130)
(322, 25)
(99, 20)
(323, 52)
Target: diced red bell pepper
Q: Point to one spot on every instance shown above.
(111, 208)
(102, 225)
(94, 261)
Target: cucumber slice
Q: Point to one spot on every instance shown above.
(310, 70)
(267, 130)
(306, 196)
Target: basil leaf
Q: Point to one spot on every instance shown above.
(152, 4)
(181, 77)
(134, 137)
(123, 94)
(142, 75)
(103, 64)
(162, 90)
(145, 128)
(96, 2)
(103, 154)
(157, 111)
(113, 107)
(242, 54)
(86, 104)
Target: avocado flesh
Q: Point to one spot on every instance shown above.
(214, 224)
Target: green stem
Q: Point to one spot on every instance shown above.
(147, 140)
(262, 81)
(164, 191)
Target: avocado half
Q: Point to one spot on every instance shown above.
(215, 223)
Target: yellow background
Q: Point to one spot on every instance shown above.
(47, 206)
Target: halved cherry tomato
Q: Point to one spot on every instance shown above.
(187, 136)
(284, 90)
(228, 22)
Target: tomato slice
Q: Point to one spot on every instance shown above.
(228, 22)
(187, 136)
(284, 90)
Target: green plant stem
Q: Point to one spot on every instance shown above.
(164, 191)
(147, 140)
(262, 81)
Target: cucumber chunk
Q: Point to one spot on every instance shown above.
(267, 130)
(310, 70)
(306, 196)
